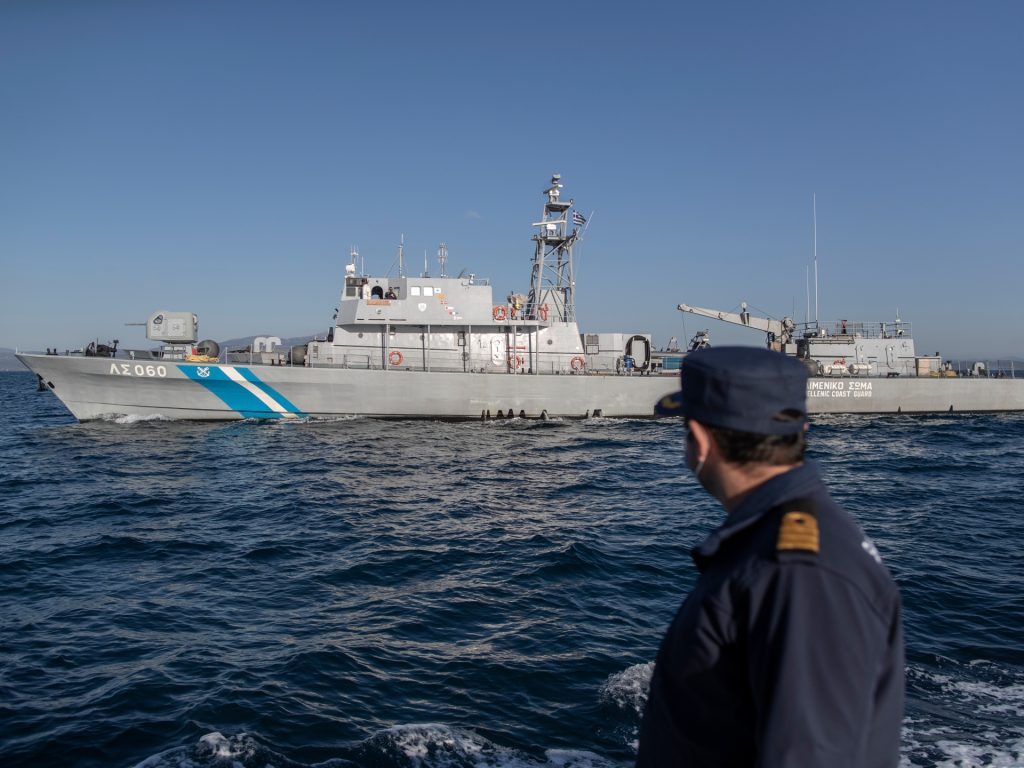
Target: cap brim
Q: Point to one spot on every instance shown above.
(669, 405)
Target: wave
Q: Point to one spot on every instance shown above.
(427, 745)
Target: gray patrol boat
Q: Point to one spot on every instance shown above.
(872, 367)
(402, 346)
(443, 347)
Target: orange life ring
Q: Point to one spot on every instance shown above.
(515, 361)
(578, 363)
(544, 312)
(839, 361)
(395, 358)
(499, 313)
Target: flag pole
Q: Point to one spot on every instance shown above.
(814, 200)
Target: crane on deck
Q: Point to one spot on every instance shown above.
(778, 331)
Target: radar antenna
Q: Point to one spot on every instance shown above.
(353, 256)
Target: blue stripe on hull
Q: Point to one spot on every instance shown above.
(231, 393)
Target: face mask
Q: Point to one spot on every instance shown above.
(700, 462)
(697, 469)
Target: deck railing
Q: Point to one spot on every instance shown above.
(991, 369)
(865, 330)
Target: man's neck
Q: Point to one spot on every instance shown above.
(736, 481)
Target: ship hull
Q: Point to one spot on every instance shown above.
(94, 388)
(914, 395)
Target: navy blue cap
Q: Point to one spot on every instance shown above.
(742, 388)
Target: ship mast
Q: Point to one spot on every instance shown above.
(442, 258)
(551, 281)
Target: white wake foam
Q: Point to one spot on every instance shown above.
(213, 749)
(133, 418)
(433, 745)
(982, 723)
(423, 745)
(628, 689)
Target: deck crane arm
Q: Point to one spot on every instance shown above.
(779, 330)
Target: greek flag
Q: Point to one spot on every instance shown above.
(577, 219)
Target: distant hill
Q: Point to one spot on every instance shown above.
(245, 341)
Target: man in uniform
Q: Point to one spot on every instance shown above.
(789, 650)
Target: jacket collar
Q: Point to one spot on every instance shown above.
(799, 481)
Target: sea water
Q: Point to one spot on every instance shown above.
(423, 593)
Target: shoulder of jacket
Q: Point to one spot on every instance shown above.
(797, 530)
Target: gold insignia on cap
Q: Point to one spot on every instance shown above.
(799, 530)
(669, 405)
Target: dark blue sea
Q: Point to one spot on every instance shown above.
(417, 593)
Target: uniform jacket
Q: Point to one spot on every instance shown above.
(789, 650)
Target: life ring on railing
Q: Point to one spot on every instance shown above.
(395, 357)
(499, 313)
(543, 309)
(577, 363)
(515, 362)
(840, 361)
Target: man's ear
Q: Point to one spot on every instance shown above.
(702, 437)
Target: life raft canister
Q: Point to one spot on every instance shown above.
(395, 357)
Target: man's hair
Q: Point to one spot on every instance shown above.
(751, 448)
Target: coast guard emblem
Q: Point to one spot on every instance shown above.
(202, 371)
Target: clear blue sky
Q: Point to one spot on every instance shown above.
(221, 157)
